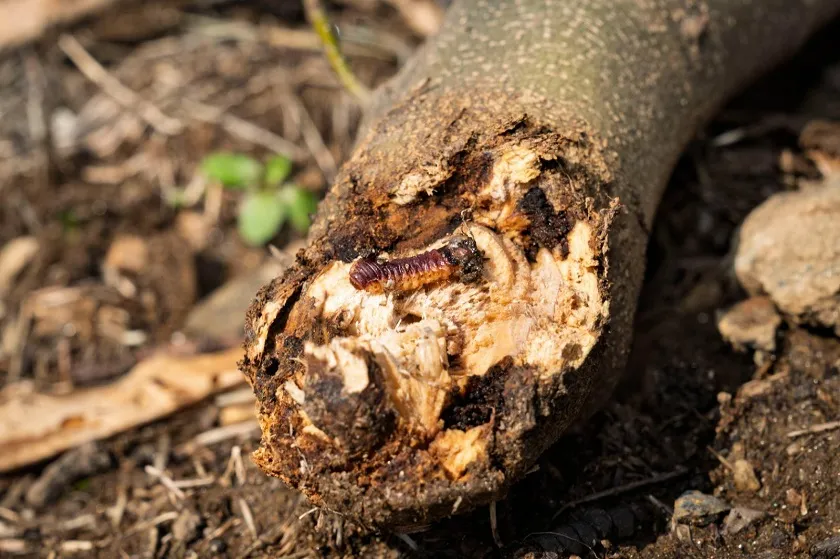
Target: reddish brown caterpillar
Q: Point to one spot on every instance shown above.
(459, 257)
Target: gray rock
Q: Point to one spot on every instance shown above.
(698, 509)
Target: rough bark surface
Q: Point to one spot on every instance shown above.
(547, 131)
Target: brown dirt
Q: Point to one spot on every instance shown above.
(681, 420)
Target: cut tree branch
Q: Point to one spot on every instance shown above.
(397, 373)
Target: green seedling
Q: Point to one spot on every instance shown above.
(269, 201)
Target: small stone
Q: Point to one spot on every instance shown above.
(794, 448)
(698, 508)
(745, 478)
(800, 544)
(787, 249)
(751, 324)
(793, 497)
(740, 518)
(682, 532)
(759, 387)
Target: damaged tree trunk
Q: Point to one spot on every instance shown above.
(470, 284)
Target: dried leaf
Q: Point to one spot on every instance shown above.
(37, 426)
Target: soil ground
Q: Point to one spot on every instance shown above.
(684, 418)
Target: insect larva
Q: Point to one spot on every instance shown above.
(460, 256)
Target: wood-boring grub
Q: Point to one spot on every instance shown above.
(551, 153)
(438, 380)
(458, 258)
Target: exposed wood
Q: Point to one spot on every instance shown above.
(547, 131)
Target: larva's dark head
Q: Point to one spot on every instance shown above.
(364, 272)
(462, 252)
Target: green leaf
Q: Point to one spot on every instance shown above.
(233, 170)
(300, 204)
(260, 217)
(277, 170)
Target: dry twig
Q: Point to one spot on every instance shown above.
(156, 521)
(76, 546)
(220, 434)
(248, 517)
(720, 458)
(494, 525)
(313, 140)
(409, 541)
(166, 481)
(621, 489)
(819, 428)
(115, 89)
(242, 129)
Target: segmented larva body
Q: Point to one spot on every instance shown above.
(407, 274)
(400, 274)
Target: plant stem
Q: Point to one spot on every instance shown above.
(323, 29)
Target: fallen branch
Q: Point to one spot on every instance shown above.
(127, 98)
(37, 426)
(448, 321)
